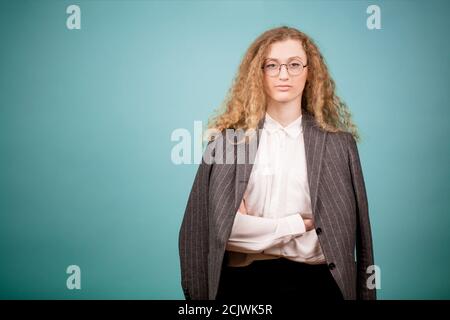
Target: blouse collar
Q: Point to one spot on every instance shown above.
(293, 129)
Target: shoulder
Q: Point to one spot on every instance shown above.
(343, 144)
(215, 147)
(342, 137)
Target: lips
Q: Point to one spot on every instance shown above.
(283, 87)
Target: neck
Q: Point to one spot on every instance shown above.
(284, 112)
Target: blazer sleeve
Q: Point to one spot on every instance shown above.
(364, 249)
(193, 236)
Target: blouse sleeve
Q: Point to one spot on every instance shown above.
(252, 234)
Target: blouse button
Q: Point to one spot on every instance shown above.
(283, 139)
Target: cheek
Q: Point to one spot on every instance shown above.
(300, 83)
(268, 84)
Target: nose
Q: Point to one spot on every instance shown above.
(283, 72)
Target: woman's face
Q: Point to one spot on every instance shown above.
(290, 52)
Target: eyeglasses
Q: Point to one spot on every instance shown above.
(294, 68)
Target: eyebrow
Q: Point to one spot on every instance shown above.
(288, 58)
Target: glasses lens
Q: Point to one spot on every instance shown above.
(295, 67)
(272, 68)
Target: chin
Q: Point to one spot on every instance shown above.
(283, 97)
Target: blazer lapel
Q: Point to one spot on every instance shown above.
(314, 138)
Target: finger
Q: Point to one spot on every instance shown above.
(242, 208)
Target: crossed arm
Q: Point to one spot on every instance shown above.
(253, 234)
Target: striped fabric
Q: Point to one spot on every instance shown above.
(339, 206)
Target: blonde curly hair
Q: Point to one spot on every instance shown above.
(245, 103)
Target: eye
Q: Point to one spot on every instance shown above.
(295, 64)
(271, 65)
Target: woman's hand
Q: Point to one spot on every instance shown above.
(309, 224)
(242, 208)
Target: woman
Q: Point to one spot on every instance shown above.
(285, 222)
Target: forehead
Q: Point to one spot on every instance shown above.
(284, 50)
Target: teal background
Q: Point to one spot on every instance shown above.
(86, 117)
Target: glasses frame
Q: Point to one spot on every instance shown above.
(287, 69)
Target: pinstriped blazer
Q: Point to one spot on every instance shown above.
(338, 201)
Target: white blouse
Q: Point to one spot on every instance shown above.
(277, 197)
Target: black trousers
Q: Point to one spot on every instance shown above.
(277, 279)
